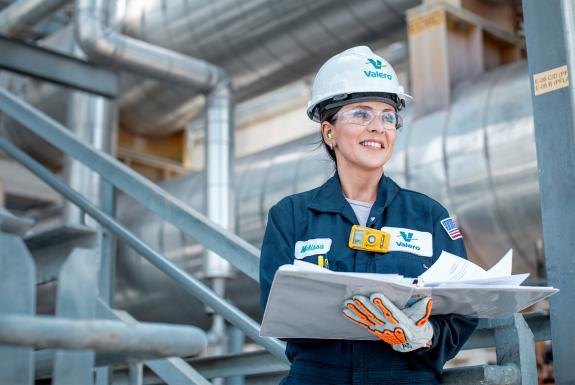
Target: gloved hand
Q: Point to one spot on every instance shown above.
(405, 330)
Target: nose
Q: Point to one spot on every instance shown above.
(376, 125)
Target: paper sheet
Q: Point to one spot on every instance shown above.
(448, 268)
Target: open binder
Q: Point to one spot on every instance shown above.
(305, 300)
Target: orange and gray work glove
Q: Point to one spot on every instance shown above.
(405, 330)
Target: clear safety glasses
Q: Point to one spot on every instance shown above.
(363, 117)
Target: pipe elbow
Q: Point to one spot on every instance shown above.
(222, 81)
(93, 42)
(94, 39)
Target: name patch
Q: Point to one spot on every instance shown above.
(410, 241)
(312, 247)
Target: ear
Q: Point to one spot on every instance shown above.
(326, 128)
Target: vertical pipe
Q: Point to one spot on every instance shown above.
(89, 117)
(219, 156)
(236, 341)
(550, 38)
(136, 373)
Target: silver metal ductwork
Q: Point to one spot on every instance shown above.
(102, 43)
(261, 44)
(478, 158)
(20, 17)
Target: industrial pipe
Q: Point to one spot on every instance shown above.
(21, 16)
(157, 340)
(105, 45)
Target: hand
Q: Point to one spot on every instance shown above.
(405, 330)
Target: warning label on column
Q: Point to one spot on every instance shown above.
(551, 80)
(425, 22)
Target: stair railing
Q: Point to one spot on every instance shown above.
(229, 246)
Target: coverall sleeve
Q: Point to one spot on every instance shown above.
(450, 331)
(277, 246)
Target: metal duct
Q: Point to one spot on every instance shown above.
(478, 158)
(21, 16)
(102, 43)
(262, 44)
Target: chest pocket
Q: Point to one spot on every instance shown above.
(406, 264)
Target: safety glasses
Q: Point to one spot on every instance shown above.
(363, 117)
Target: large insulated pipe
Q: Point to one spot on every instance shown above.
(262, 44)
(103, 44)
(20, 17)
(478, 158)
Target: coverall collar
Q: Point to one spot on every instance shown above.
(330, 198)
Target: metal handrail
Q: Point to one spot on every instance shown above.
(229, 246)
(151, 340)
(158, 200)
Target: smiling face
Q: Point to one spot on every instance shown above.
(366, 148)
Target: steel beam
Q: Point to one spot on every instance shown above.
(239, 364)
(550, 37)
(483, 374)
(17, 297)
(44, 64)
(9, 223)
(50, 248)
(484, 335)
(77, 293)
(515, 346)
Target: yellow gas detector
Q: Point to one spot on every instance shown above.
(366, 238)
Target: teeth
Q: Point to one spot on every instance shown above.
(372, 144)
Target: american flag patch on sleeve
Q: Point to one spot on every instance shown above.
(451, 227)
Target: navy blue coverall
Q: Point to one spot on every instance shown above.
(324, 213)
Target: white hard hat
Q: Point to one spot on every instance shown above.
(355, 74)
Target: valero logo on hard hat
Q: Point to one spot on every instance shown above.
(377, 74)
(377, 64)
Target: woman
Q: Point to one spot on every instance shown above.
(356, 97)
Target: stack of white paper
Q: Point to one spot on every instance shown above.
(449, 269)
(305, 300)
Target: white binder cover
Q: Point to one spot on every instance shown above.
(305, 300)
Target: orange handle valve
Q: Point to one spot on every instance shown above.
(405, 330)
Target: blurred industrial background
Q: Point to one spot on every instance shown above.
(177, 125)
